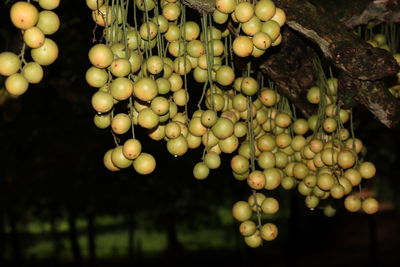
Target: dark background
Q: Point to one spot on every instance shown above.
(60, 207)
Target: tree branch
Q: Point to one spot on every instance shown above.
(374, 96)
(203, 6)
(291, 68)
(343, 48)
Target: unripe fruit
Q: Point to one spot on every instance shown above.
(24, 15)
(265, 9)
(253, 240)
(171, 11)
(271, 28)
(212, 160)
(367, 170)
(370, 205)
(49, 4)
(269, 231)
(121, 88)
(101, 56)
(225, 6)
(247, 228)
(177, 146)
(9, 63)
(242, 46)
(148, 119)
(145, 89)
(352, 203)
(16, 84)
(241, 211)
(256, 180)
(118, 158)
(270, 205)
(121, 123)
(102, 102)
(225, 75)
(144, 164)
(33, 72)
(200, 171)
(33, 37)
(240, 164)
(48, 22)
(244, 11)
(102, 121)
(279, 16)
(107, 161)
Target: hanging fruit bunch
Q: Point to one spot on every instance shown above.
(140, 73)
(320, 157)
(35, 25)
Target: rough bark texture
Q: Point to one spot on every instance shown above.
(374, 96)
(342, 47)
(292, 74)
(203, 6)
(360, 12)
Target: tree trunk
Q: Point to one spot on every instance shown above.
(15, 239)
(373, 241)
(73, 237)
(131, 237)
(91, 239)
(174, 249)
(292, 238)
(2, 237)
(57, 247)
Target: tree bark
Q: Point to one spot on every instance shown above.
(374, 96)
(293, 74)
(56, 237)
(91, 231)
(342, 47)
(15, 239)
(131, 236)
(2, 236)
(73, 237)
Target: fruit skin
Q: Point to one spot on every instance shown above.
(144, 164)
(48, 22)
(16, 84)
(24, 15)
(241, 211)
(200, 171)
(254, 240)
(33, 37)
(9, 63)
(247, 228)
(370, 205)
(242, 46)
(269, 231)
(352, 203)
(101, 56)
(46, 54)
(49, 4)
(33, 72)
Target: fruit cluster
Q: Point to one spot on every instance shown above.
(258, 27)
(140, 72)
(320, 157)
(145, 66)
(35, 27)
